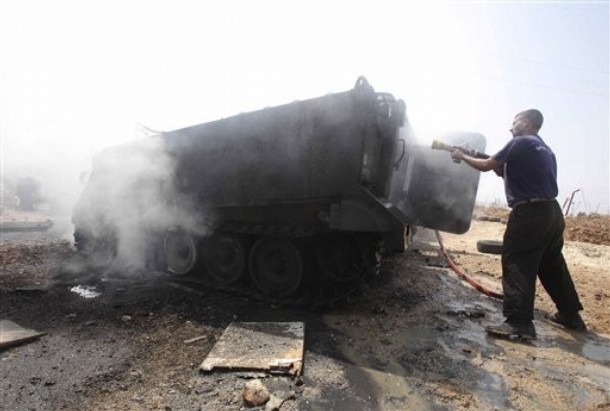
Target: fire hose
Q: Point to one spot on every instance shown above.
(461, 274)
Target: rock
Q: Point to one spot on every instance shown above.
(274, 403)
(277, 399)
(126, 318)
(255, 393)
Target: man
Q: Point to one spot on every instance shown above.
(533, 239)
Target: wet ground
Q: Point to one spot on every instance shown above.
(413, 340)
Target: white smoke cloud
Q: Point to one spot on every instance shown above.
(131, 198)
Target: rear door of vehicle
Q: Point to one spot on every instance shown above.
(428, 189)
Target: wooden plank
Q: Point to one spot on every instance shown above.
(275, 347)
(13, 334)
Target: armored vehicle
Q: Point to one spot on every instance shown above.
(288, 202)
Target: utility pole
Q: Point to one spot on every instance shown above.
(570, 202)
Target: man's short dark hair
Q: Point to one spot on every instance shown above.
(534, 117)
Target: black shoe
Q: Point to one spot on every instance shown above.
(573, 322)
(524, 331)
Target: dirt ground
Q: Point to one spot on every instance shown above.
(591, 228)
(413, 340)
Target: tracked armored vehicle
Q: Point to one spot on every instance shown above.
(293, 202)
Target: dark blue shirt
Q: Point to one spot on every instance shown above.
(530, 169)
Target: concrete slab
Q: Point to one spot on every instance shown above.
(13, 334)
(274, 347)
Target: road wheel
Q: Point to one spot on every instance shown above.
(276, 266)
(180, 252)
(489, 246)
(225, 258)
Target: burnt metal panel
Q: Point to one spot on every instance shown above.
(303, 150)
(432, 191)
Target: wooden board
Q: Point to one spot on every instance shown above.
(13, 334)
(276, 347)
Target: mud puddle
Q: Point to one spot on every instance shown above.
(413, 365)
(590, 346)
(429, 350)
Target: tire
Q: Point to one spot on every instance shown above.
(489, 246)
(180, 252)
(276, 266)
(225, 258)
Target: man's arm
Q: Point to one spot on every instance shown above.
(481, 164)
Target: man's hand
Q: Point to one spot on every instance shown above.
(457, 155)
(481, 164)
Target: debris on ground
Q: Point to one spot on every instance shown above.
(255, 393)
(276, 347)
(13, 334)
(195, 339)
(415, 339)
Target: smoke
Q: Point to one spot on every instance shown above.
(45, 169)
(131, 200)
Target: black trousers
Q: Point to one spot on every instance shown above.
(533, 244)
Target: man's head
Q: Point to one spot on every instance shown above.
(527, 122)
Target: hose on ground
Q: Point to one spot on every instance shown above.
(459, 272)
